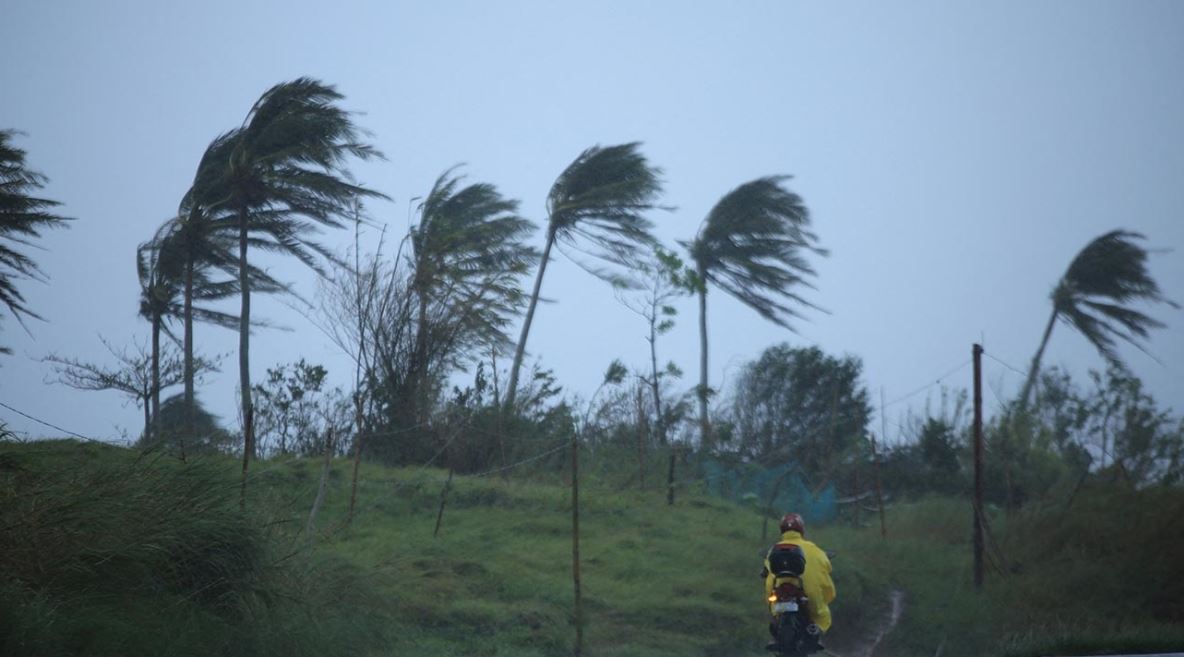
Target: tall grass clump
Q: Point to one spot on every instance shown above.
(1095, 573)
(105, 552)
(1101, 569)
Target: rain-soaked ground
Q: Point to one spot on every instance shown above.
(866, 646)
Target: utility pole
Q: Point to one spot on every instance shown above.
(977, 351)
(876, 461)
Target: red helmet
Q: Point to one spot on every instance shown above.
(793, 522)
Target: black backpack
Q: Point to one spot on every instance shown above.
(786, 559)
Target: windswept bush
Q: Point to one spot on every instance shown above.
(106, 553)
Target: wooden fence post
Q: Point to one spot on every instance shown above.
(575, 540)
(879, 488)
(670, 478)
(443, 499)
(977, 352)
(320, 499)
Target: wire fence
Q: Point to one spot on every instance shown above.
(72, 434)
(764, 488)
(756, 487)
(748, 484)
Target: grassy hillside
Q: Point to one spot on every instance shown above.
(105, 552)
(657, 580)
(1100, 576)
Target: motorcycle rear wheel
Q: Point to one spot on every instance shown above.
(791, 635)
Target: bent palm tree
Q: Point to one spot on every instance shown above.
(467, 258)
(279, 177)
(157, 292)
(22, 218)
(597, 205)
(175, 270)
(1093, 296)
(753, 245)
(200, 240)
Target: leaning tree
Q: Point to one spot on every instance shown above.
(191, 261)
(598, 206)
(1095, 295)
(278, 177)
(467, 258)
(178, 271)
(753, 245)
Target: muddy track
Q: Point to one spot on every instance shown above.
(867, 647)
(896, 608)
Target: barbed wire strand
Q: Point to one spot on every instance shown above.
(999, 403)
(531, 459)
(1004, 363)
(927, 386)
(53, 426)
(703, 480)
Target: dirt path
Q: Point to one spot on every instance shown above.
(896, 602)
(868, 647)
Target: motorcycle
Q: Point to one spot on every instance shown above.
(794, 634)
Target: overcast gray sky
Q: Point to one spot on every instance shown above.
(954, 155)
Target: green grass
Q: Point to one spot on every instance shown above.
(104, 552)
(1100, 577)
(108, 553)
(656, 580)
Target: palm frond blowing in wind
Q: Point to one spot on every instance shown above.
(753, 245)
(280, 177)
(597, 206)
(467, 259)
(22, 218)
(1095, 296)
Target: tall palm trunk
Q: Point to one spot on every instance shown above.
(704, 421)
(520, 351)
(244, 352)
(188, 345)
(149, 431)
(1034, 370)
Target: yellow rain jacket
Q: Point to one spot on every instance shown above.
(816, 581)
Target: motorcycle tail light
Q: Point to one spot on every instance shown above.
(787, 591)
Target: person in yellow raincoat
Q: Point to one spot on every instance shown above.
(816, 581)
